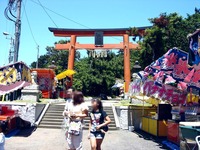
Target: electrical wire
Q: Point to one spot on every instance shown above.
(61, 15)
(69, 19)
(29, 24)
(25, 7)
(8, 10)
(47, 13)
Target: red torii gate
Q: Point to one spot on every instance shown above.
(73, 45)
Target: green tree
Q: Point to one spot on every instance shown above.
(168, 31)
(98, 75)
(60, 57)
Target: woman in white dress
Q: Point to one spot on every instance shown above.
(77, 110)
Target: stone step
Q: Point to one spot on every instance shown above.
(56, 106)
(109, 109)
(60, 114)
(50, 109)
(60, 108)
(53, 119)
(53, 114)
(61, 117)
(55, 111)
(59, 123)
(49, 126)
(61, 111)
(59, 127)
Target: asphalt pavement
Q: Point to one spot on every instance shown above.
(54, 139)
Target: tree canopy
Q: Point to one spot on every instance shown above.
(97, 75)
(168, 31)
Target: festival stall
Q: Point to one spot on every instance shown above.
(7, 118)
(46, 81)
(13, 78)
(168, 81)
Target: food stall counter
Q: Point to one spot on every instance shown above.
(154, 126)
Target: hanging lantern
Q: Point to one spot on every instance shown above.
(98, 54)
(93, 54)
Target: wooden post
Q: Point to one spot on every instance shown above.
(72, 52)
(127, 72)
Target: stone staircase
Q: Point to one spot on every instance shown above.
(53, 118)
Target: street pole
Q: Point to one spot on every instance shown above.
(38, 50)
(10, 58)
(17, 30)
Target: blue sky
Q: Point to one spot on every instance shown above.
(94, 14)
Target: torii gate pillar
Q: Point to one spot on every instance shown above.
(127, 70)
(72, 52)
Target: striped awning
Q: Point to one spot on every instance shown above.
(5, 89)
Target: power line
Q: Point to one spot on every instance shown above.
(29, 25)
(47, 13)
(24, 6)
(32, 35)
(61, 15)
(69, 18)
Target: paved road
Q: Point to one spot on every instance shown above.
(53, 139)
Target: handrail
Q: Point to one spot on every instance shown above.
(115, 117)
(42, 114)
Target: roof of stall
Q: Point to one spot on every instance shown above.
(44, 72)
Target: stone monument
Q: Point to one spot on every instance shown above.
(32, 92)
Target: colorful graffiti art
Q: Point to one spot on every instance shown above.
(14, 72)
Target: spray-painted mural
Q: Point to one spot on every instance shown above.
(14, 72)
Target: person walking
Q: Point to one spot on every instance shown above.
(66, 120)
(77, 110)
(98, 125)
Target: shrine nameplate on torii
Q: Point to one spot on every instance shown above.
(98, 34)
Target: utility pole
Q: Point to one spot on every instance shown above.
(17, 30)
(10, 58)
(38, 51)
